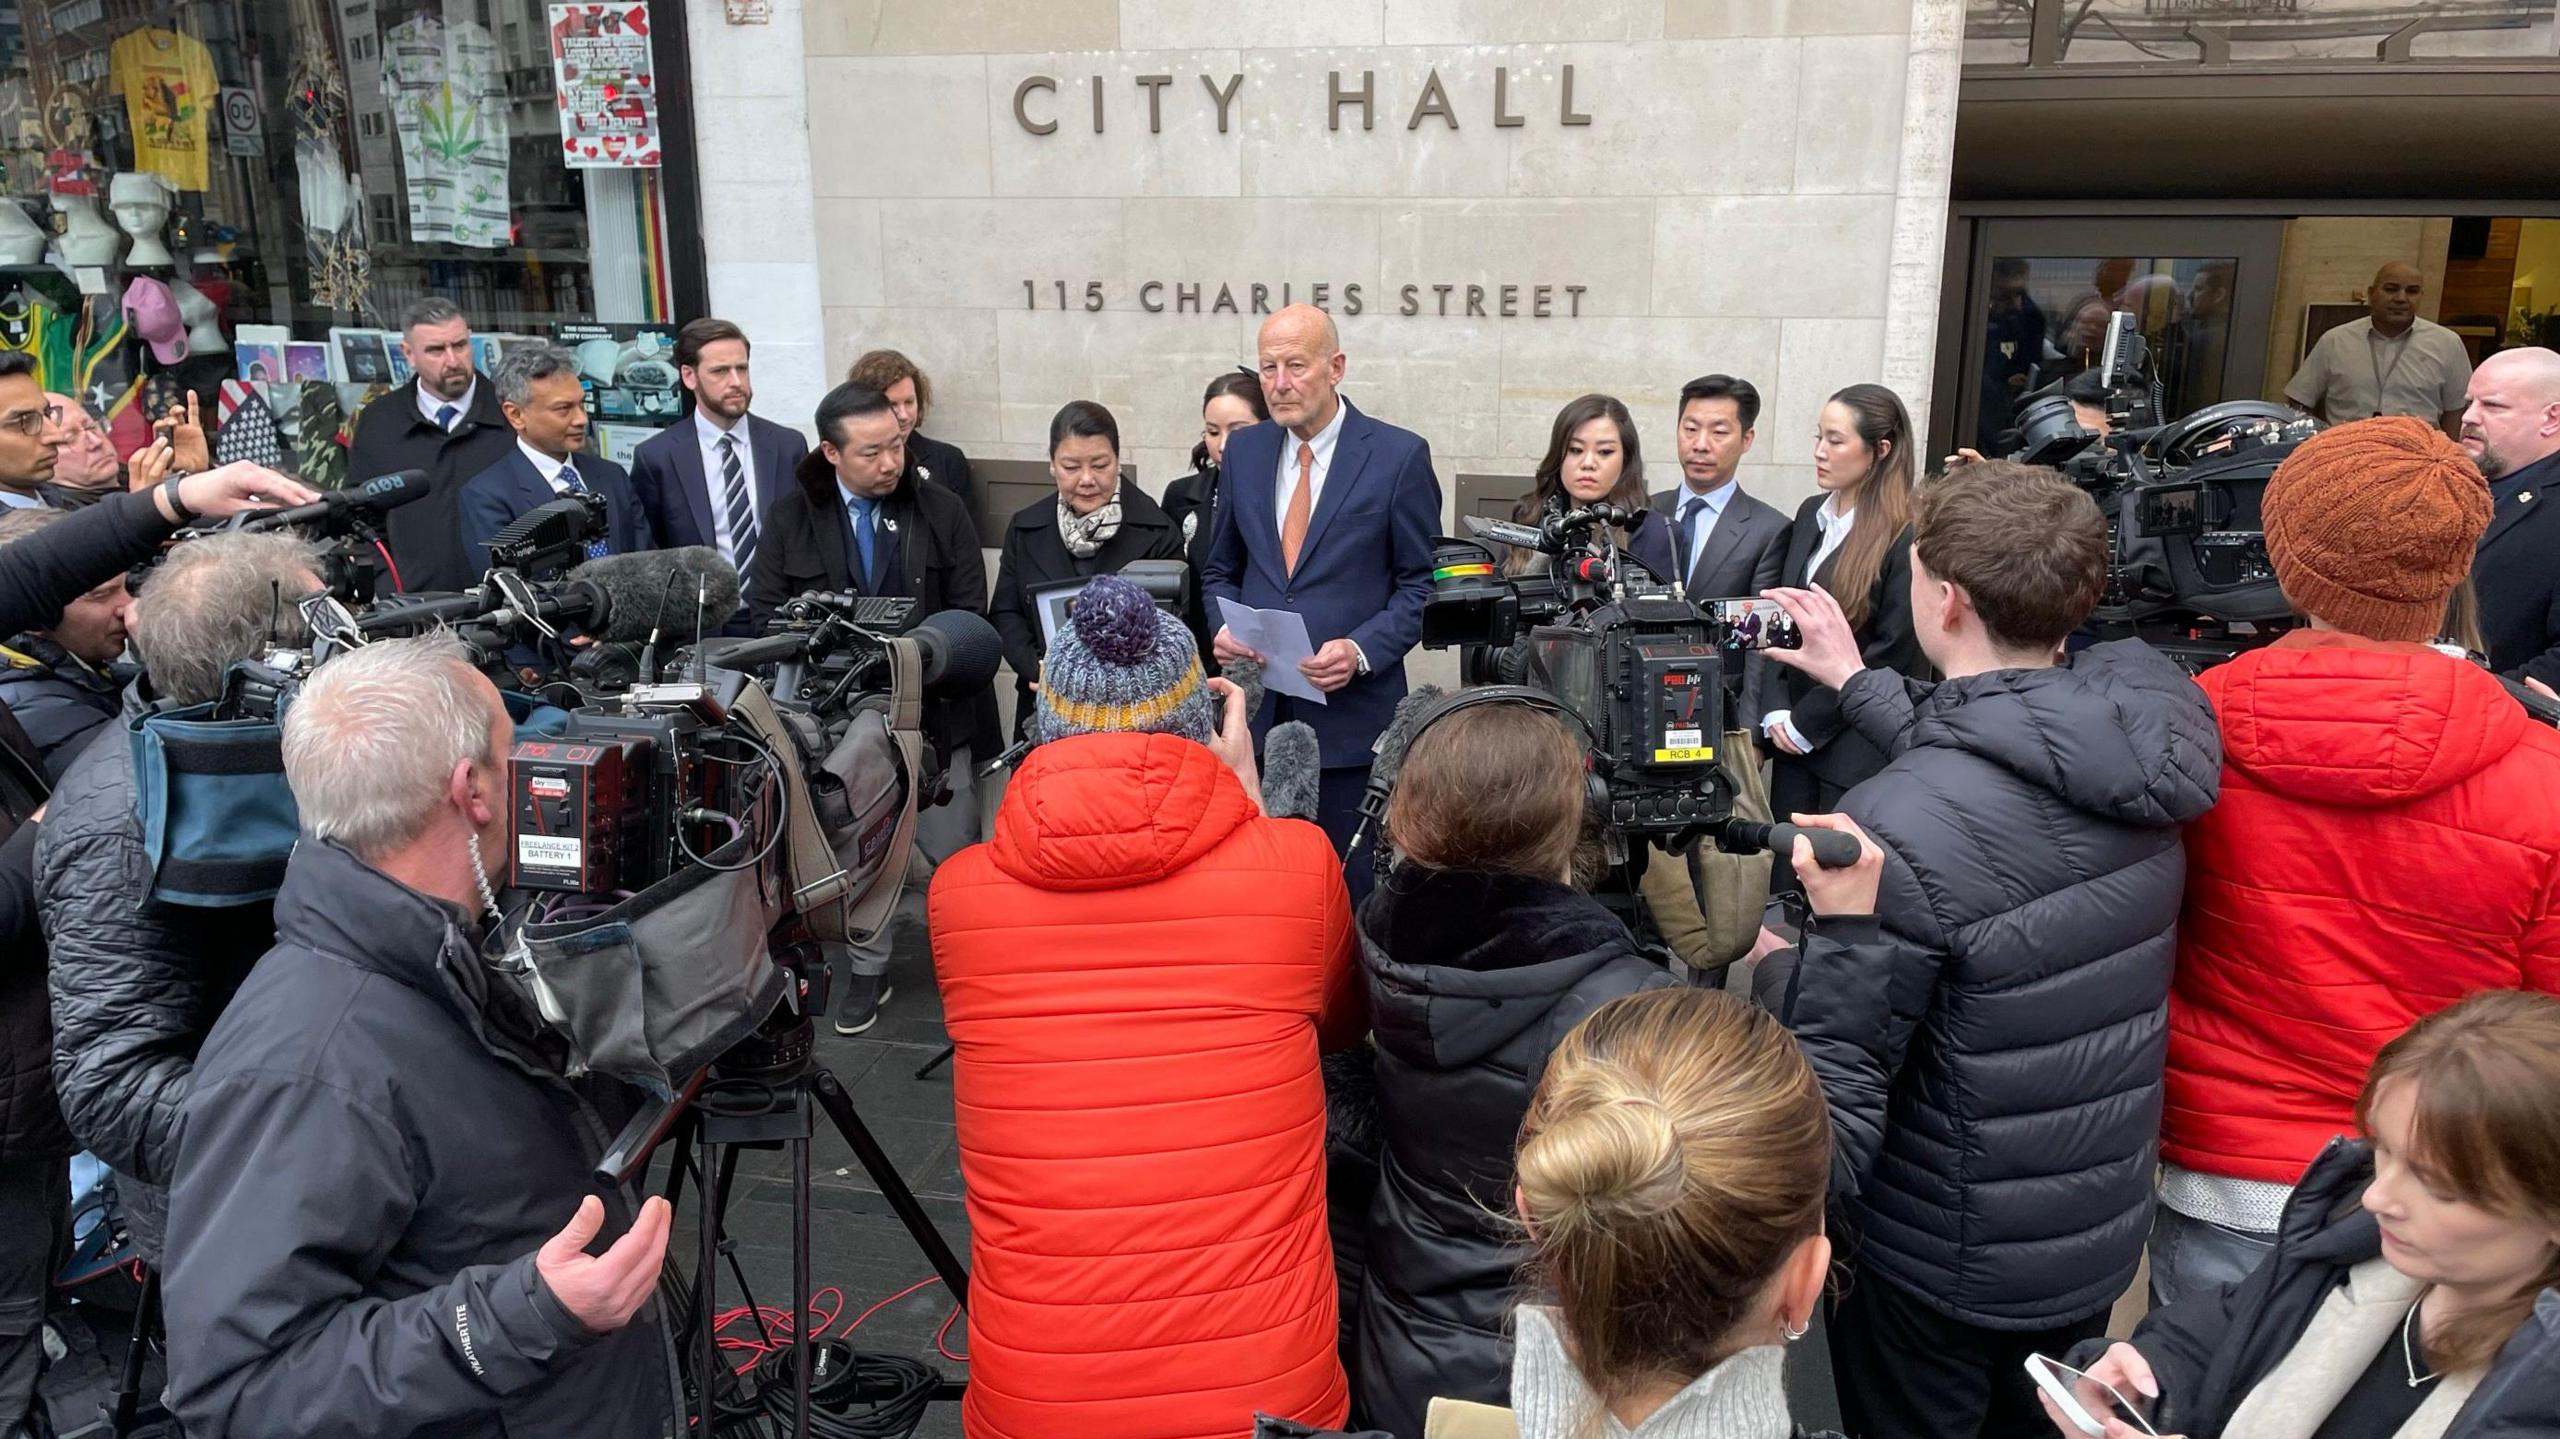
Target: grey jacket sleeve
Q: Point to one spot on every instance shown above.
(269, 1266)
(122, 1045)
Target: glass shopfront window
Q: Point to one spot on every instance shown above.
(250, 191)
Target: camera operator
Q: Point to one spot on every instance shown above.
(859, 520)
(62, 680)
(1480, 953)
(1138, 973)
(137, 983)
(2386, 841)
(1992, 1041)
(384, 1201)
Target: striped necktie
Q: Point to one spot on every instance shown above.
(741, 511)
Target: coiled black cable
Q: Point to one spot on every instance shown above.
(852, 1395)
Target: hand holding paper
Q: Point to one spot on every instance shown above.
(1280, 637)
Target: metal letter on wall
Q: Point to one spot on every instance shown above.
(1365, 97)
(1022, 114)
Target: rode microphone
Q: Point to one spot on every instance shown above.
(372, 498)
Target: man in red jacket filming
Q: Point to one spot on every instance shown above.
(2386, 842)
(1136, 972)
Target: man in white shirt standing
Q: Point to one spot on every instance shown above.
(713, 481)
(2392, 362)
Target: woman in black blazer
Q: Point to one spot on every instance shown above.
(1233, 401)
(1863, 460)
(1096, 523)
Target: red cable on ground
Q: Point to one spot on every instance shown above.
(775, 1330)
(939, 1347)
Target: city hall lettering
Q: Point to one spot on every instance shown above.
(1181, 297)
(1036, 105)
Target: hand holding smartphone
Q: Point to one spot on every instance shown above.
(2087, 1402)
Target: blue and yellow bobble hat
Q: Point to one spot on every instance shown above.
(1122, 666)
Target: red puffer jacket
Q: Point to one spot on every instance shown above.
(2388, 841)
(1134, 970)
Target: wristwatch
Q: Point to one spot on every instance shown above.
(177, 506)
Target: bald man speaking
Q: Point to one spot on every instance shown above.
(2389, 363)
(2512, 430)
(1329, 513)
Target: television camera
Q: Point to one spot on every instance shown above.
(2188, 569)
(1638, 667)
(345, 526)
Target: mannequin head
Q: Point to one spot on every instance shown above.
(141, 203)
(87, 238)
(21, 238)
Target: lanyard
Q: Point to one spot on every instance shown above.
(2381, 376)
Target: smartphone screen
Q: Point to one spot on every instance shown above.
(1753, 624)
(2096, 1399)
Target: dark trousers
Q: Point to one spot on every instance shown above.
(1906, 1371)
(35, 1230)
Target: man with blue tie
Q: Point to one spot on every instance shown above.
(444, 420)
(538, 388)
(713, 481)
(1729, 544)
(860, 519)
(1330, 514)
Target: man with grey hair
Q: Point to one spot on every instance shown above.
(443, 421)
(383, 1218)
(137, 982)
(538, 389)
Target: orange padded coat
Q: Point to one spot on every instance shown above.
(1134, 972)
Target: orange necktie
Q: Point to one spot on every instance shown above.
(1293, 525)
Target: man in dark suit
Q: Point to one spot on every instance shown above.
(1330, 514)
(860, 519)
(444, 421)
(538, 388)
(1728, 544)
(713, 481)
(2511, 427)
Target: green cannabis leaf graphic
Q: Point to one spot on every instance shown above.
(447, 126)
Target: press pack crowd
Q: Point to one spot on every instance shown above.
(2250, 974)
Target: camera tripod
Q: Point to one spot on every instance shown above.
(705, 1128)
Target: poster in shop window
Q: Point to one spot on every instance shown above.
(608, 90)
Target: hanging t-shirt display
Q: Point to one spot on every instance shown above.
(48, 335)
(449, 107)
(170, 92)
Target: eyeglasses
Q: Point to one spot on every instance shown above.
(31, 422)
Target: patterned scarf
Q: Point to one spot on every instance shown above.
(1085, 535)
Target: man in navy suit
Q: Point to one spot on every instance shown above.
(539, 392)
(1329, 514)
(2511, 426)
(713, 481)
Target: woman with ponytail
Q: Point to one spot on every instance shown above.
(2414, 1288)
(1854, 540)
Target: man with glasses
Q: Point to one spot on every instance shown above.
(31, 434)
(86, 467)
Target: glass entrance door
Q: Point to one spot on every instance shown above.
(2040, 292)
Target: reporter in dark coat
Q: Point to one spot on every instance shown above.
(1233, 402)
(1096, 523)
(538, 387)
(680, 474)
(1855, 541)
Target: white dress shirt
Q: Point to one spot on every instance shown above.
(1700, 513)
(548, 467)
(429, 404)
(1834, 523)
(1323, 445)
(714, 482)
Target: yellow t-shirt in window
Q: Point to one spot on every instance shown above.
(170, 92)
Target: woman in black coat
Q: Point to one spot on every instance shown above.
(2414, 1287)
(1480, 955)
(1233, 402)
(1095, 524)
(1854, 540)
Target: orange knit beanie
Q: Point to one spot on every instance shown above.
(2372, 524)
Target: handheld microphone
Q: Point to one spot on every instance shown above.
(1387, 757)
(1831, 848)
(370, 499)
(1246, 675)
(1292, 771)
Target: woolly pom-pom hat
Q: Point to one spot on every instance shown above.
(2371, 525)
(1120, 665)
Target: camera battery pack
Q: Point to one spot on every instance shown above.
(575, 804)
(1679, 701)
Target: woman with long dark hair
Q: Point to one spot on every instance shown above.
(1594, 456)
(1096, 523)
(1854, 540)
(1232, 402)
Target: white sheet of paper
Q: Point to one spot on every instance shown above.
(1280, 637)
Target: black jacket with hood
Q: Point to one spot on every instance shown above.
(2208, 1352)
(377, 1142)
(1473, 979)
(1992, 1044)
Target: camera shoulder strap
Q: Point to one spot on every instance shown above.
(867, 912)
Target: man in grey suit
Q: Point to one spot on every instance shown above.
(1728, 544)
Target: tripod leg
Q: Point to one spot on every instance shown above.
(129, 1387)
(707, 1348)
(875, 1162)
(937, 1061)
(800, 1198)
